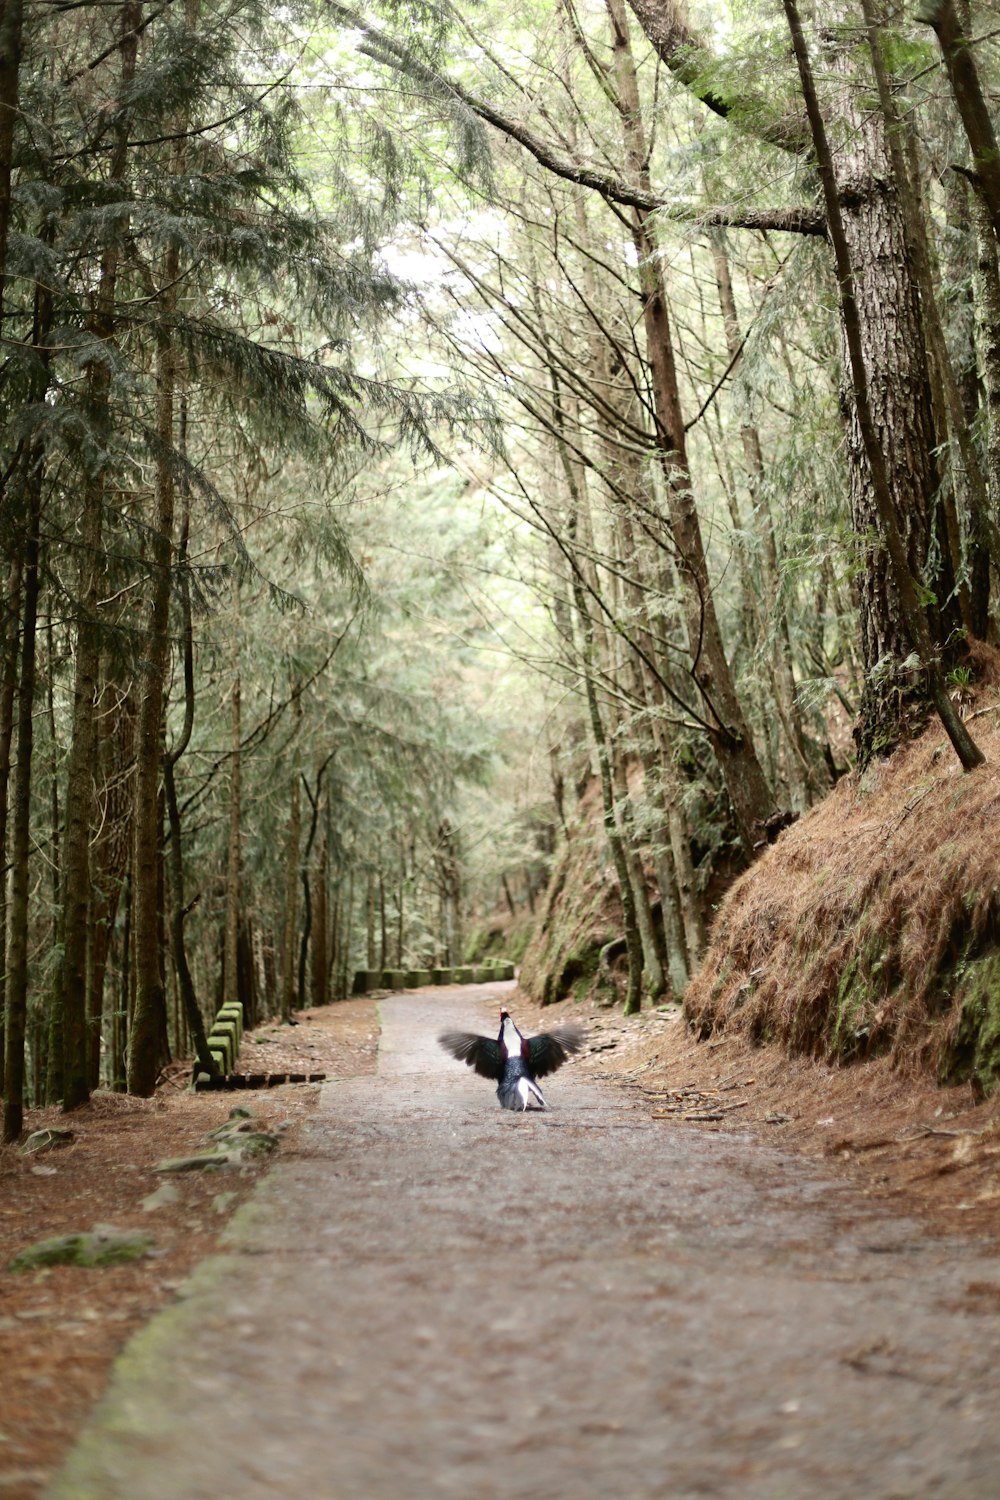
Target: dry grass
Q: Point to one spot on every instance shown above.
(873, 921)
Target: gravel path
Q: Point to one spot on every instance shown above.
(440, 1300)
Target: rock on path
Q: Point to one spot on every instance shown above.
(440, 1300)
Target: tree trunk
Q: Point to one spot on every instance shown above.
(72, 991)
(147, 1049)
(796, 765)
(988, 339)
(15, 1020)
(970, 100)
(654, 982)
(370, 920)
(233, 858)
(291, 901)
(11, 44)
(109, 858)
(895, 700)
(319, 957)
(195, 1023)
(8, 689)
(899, 573)
(751, 797)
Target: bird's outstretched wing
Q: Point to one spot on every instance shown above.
(550, 1049)
(480, 1052)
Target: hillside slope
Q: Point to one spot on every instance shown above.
(872, 926)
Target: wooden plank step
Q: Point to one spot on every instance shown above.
(203, 1084)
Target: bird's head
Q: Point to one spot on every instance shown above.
(510, 1039)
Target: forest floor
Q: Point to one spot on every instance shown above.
(911, 1149)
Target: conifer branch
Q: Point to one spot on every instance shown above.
(382, 48)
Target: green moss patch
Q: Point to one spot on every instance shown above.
(101, 1246)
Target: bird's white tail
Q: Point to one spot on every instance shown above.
(527, 1088)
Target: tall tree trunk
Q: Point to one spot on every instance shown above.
(319, 955)
(147, 1049)
(370, 920)
(900, 574)
(109, 858)
(752, 799)
(970, 99)
(8, 688)
(11, 46)
(72, 999)
(72, 990)
(233, 858)
(383, 924)
(988, 339)
(892, 344)
(291, 901)
(16, 1014)
(29, 476)
(633, 938)
(654, 981)
(782, 670)
(195, 1023)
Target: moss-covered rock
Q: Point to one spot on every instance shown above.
(104, 1245)
(49, 1139)
(201, 1161)
(394, 979)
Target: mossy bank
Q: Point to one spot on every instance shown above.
(872, 926)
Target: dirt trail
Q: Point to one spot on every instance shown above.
(440, 1300)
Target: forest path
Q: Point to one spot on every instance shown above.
(438, 1298)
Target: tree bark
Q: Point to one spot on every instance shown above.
(147, 1047)
(782, 668)
(8, 690)
(233, 856)
(732, 743)
(291, 914)
(970, 100)
(898, 574)
(893, 346)
(11, 47)
(988, 339)
(175, 851)
(16, 1013)
(319, 953)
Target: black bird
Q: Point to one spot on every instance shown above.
(515, 1061)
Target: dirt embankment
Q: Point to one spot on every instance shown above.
(872, 926)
